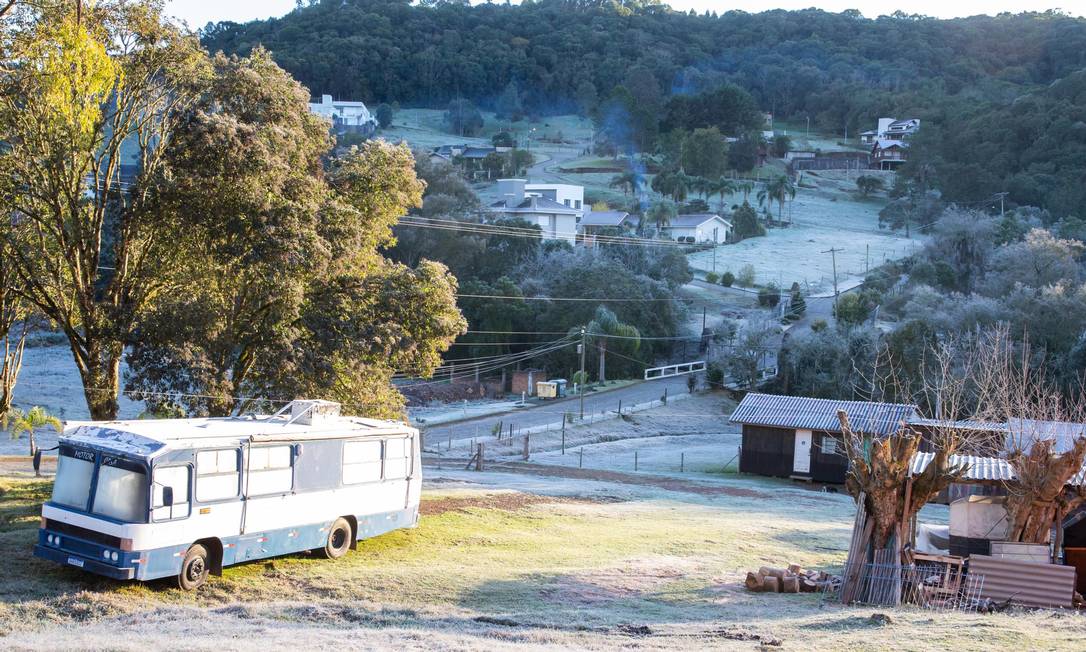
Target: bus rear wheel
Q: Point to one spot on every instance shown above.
(339, 539)
(194, 568)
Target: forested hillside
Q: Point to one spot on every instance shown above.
(970, 80)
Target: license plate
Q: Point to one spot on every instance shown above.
(75, 561)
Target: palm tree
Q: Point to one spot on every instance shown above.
(31, 421)
(605, 326)
(721, 186)
(746, 187)
(629, 181)
(778, 190)
(661, 213)
(681, 185)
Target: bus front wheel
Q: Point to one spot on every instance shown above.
(194, 568)
(339, 539)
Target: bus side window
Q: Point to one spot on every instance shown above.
(216, 475)
(361, 462)
(177, 478)
(397, 458)
(270, 470)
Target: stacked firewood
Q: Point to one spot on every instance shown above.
(793, 579)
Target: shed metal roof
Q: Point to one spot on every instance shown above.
(820, 414)
(984, 469)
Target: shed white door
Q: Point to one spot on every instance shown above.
(801, 461)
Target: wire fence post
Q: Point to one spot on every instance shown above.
(665, 396)
(635, 460)
(619, 407)
(450, 441)
(527, 446)
(580, 458)
(682, 462)
(563, 435)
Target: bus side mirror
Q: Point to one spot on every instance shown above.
(167, 496)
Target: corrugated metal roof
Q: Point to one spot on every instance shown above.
(820, 414)
(1033, 585)
(1021, 433)
(980, 469)
(966, 424)
(976, 468)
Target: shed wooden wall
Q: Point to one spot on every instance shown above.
(767, 451)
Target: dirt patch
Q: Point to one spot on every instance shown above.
(661, 482)
(507, 501)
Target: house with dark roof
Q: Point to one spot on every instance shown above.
(889, 154)
(801, 438)
(700, 227)
(556, 221)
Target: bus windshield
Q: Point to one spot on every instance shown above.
(71, 487)
(120, 493)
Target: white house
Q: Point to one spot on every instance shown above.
(893, 129)
(558, 221)
(562, 193)
(348, 116)
(703, 227)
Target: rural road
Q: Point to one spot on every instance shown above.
(551, 412)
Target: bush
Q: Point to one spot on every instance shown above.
(819, 325)
(712, 277)
(727, 279)
(714, 376)
(769, 296)
(746, 276)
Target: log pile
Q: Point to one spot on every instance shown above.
(793, 579)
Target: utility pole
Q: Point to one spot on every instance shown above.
(867, 259)
(833, 252)
(703, 309)
(1002, 196)
(584, 341)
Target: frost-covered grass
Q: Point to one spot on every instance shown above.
(583, 564)
(830, 216)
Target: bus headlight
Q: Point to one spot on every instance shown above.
(113, 555)
(49, 539)
(105, 554)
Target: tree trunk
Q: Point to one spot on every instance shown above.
(100, 370)
(603, 361)
(33, 442)
(10, 367)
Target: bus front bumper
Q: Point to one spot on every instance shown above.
(79, 561)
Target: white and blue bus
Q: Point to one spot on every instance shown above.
(183, 498)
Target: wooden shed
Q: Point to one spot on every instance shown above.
(798, 437)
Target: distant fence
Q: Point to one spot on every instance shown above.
(654, 373)
(504, 432)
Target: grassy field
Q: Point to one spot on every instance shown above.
(521, 556)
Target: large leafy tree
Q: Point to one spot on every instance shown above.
(86, 119)
(285, 293)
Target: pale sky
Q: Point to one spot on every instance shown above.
(199, 12)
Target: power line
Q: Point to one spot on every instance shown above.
(590, 299)
(514, 231)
